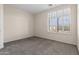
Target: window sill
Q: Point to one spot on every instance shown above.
(61, 32)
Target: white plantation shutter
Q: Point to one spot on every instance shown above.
(59, 20)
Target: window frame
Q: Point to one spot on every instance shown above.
(65, 32)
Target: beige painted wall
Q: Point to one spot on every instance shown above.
(1, 26)
(41, 26)
(18, 24)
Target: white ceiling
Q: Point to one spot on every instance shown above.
(34, 8)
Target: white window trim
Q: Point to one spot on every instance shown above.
(62, 32)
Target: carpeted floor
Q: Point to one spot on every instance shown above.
(38, 46)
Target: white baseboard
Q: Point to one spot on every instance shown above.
(54, 39)
(16, 38)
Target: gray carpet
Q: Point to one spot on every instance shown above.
(38, 46)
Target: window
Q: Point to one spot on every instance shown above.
(59, 21)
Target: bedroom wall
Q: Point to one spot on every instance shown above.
(41, 26)
(18, 24)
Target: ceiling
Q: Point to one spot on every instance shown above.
(34, 8)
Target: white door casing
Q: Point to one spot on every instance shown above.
(1, 26)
